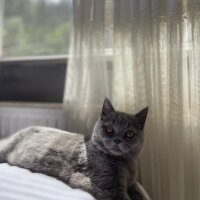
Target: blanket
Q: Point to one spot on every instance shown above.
(21, 184)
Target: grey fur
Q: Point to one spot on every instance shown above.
(106, 169)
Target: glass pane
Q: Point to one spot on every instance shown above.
(36, 27)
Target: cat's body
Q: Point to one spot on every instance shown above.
(108, 174)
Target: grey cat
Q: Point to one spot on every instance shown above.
(104, 165)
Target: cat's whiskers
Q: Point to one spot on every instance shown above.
(124, 148)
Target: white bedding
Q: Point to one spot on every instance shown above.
(20, 184)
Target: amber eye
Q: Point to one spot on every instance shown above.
(130, 134)
(109, 129)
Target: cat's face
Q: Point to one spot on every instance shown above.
(118, 133)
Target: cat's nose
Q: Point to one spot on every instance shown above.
(117, 141)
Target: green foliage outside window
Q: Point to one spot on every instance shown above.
(36, 27)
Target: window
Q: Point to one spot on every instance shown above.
(34, 27)
(34, 42)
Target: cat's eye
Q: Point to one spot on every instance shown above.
(130, 134)
(109, 129)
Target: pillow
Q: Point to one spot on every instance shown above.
(21, 184)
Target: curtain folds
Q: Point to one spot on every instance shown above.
(86, 84)
(138, 53)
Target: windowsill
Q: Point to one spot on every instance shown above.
(32, 105)
(34, 58)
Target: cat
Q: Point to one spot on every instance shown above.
(105, 165)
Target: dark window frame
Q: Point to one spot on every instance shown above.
(39, 79)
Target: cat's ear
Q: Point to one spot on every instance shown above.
(141, 117)
(107, 107)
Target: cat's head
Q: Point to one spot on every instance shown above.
(117, 133)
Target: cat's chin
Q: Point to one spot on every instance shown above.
(116, 152)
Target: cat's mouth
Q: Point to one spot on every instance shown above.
(113, 149)
(116, 151)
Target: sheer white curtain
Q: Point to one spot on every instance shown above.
(87, 80)
(155, 61)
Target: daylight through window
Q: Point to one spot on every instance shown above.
(34, 27)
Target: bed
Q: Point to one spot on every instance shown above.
(21, 184)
